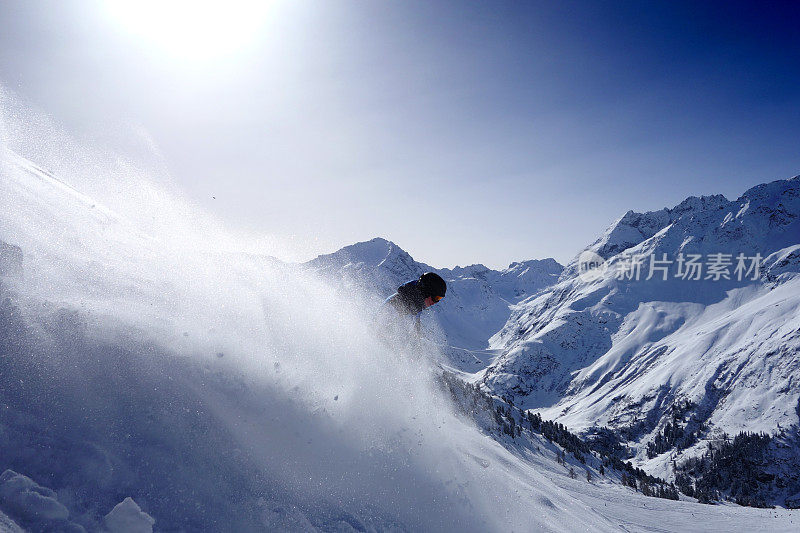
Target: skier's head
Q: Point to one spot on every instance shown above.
(433, 288)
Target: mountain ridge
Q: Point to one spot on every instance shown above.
(622, 353)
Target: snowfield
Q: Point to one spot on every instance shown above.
(155, 378)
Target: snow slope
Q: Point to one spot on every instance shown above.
(623, 352)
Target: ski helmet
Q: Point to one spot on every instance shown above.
(432, 284)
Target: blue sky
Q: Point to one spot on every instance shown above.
(464, 131)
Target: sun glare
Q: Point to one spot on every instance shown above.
(192, 29)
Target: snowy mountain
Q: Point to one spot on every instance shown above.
(478, 301)
(603, 348)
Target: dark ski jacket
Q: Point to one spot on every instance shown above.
(408, 300)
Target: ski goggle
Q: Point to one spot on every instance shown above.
(436, 298)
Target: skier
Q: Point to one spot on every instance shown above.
(415, 296)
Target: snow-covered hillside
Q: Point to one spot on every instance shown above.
(478, 301)
(219, 393)
(601, 347)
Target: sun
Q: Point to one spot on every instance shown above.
(192, 29)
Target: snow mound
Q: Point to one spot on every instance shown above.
(33, 505)
(128, 517)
